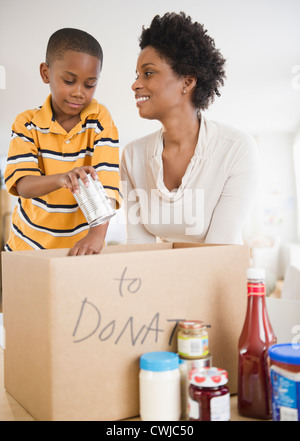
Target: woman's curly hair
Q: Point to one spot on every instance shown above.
(189, 51)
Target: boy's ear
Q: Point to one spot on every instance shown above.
(44, 71)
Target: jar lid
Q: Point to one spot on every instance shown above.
(285, 353)
(191, 324)
(256, 273)
(208, 377)
(159, 361)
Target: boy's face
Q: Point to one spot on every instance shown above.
(72, 80)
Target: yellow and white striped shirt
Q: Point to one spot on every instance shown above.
(40, 146)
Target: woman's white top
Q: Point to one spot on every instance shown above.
(215, 196)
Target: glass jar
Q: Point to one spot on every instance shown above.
(192, 339)
(159, 380)
(209, 398)
(185, 367)
(285, 381)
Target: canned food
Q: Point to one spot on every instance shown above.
(94, 202)
(285, 381)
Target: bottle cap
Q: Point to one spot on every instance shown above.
(159, 361)
(256, 273)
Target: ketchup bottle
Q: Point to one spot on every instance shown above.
(254, 390)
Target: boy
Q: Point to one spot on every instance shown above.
(70, 136)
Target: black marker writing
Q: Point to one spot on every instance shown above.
(89, 322)
(132, 287)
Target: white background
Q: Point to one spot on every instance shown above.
(259, 38)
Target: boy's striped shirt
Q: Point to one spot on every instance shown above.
(40, 146)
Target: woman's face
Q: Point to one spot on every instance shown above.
(158, 89)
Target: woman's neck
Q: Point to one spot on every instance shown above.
(182, 132)
(180, 139)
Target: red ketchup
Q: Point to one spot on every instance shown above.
(254, 389)
(209, 398)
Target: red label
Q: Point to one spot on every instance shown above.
(256, 290)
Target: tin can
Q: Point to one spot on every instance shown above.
(94, 202)
(285, 381)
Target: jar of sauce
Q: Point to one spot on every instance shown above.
(192, 339)
(285, 381)
(209, 398)
(185, 367)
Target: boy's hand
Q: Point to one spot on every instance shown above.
(36, 186)
(70, 179)
(92, 243)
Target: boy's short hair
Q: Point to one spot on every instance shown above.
(69, 39)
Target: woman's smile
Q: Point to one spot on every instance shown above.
(141, 99)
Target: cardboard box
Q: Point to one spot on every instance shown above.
(76, 326)
(7, 203)
(6, 208)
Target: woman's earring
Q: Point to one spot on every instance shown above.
(184, 91)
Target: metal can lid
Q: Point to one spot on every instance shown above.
(285, 353)
(159, 361)
(208, 377)
(191, 324)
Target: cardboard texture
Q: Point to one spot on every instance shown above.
(76, 326)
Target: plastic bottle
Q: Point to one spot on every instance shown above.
(254, 391)
(159, 386)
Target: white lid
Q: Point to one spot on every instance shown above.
(256, 273)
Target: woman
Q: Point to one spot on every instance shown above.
(193, 180)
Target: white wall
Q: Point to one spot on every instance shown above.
(296, 160)
(277, 203)
(259, 39)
